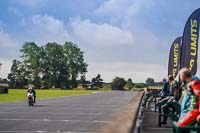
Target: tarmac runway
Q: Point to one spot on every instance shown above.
(73, 114)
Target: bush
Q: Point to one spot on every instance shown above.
(140, 85)
(150, 82)
(129, 84)
(118, 83)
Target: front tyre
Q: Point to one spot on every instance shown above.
(30, 102)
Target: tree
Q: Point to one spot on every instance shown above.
(118, 83)
(4, 80)
(129, 84)
(50, 65)
(83, 81)
(32, 57)
(97, 82)
(150, 81)
(16, 77)
(75, 60)
(54, 64)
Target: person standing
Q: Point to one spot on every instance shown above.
(190, 103)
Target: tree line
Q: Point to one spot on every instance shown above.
(120, 83)
(151, 82)
(50, 65)
(56, 65)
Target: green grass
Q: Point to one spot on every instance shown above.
(20, 94)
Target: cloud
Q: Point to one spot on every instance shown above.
(49, 23)
(5, 68)
(138, 71)
(6, 40)
(103, 34)
(123, 8)
(123, 11)
(114, 7)
(9, 45)
(139, 18)
(128, 38)
(46, 28)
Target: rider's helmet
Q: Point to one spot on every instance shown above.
(30, 88)
(195, 87)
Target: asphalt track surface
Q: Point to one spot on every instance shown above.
(73, 114)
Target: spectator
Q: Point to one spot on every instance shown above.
(190, 103)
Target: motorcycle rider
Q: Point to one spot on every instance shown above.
(31, 90)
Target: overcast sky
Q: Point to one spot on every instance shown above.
(128, 38)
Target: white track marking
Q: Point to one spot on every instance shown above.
(77, 108)
(55, 113)
(49, 120)
(23, 131)
(54, 97)
(42, 132)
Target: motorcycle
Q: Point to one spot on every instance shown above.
(30, 98)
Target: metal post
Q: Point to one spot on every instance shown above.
(155, 105)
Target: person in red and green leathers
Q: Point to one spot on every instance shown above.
(190, 104)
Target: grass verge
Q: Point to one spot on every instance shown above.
(20, 94)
